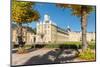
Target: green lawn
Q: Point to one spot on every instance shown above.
(87, 55)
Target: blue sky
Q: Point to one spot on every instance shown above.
(63, 17)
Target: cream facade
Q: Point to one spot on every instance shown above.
(76, 36)
(48, 32)
(28, 36)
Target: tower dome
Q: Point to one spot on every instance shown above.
(46, 17)
(68, 26)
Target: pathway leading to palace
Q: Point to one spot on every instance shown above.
(20, 59)
(43, 56)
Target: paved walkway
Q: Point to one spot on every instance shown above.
(20, 59)
(44, 56)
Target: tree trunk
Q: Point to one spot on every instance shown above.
(84, 28)
(21, 44)
(20, 35)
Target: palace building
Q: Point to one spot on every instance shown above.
(28, 35)
(47, 31)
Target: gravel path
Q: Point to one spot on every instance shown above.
(20, 59)
(45, 56)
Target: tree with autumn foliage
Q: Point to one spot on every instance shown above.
(81, 11)
(23, 12)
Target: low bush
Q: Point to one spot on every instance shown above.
(92, 45)
(87, 55)
(52, 45)
(27, 46)
(22, 50)
(67, 45)
(73, 44)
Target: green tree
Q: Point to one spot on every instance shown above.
(23, 12)
(82, 11)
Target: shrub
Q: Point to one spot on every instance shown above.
(92, 45)
(87, 55)
(27, 46)
(67, 45)
(21, 50)
(52, 46)
(73, 44)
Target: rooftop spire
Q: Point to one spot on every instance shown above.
(68, 28)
